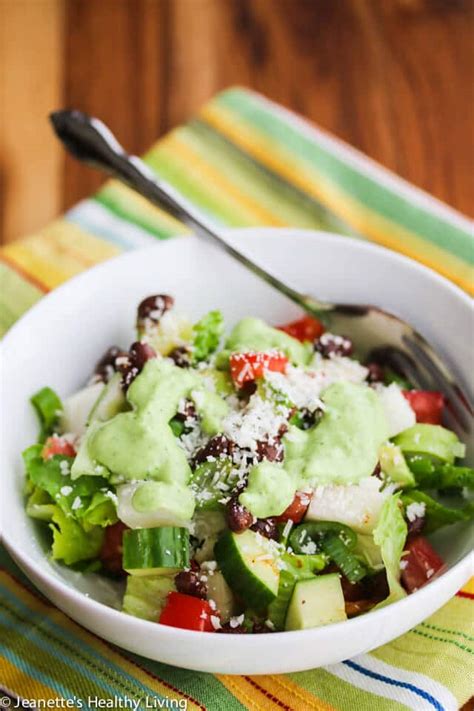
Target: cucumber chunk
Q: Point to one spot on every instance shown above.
(432, 440)
(394, 466)
(145, 597)
(316, 602)
(248, 566)
(297, 567)
(156, 551)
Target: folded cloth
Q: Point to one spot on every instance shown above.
(244, 161)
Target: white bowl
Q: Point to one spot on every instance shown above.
(59, 340)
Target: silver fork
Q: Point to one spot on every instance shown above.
(373, 331)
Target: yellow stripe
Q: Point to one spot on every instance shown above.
(135, 204)
(98, 645)
(469, 587)
(58, 252)
(250, 697)
(378, 228)
(180, 152)
(291, 694)
(14, 679)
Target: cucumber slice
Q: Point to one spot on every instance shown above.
(298, 567)
(248, 567)
(394, 466)
(316, 602)
(432, 440)
(156, 551)
(145, 597)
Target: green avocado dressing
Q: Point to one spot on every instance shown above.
(140, 444)
(270, 490)
(343, 447)
(254, 334)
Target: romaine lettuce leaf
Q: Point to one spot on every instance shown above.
(71, 543)
(390, 534)
(102, 511)
(436, 514)
(48, 407)
(207, 335)
(52, 476)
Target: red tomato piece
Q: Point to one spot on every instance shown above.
(306, 328)
(187, 612)
(420, 564)
(427, 405)
(57, 445)
(112, 548)
(297, 509)
(247, 367)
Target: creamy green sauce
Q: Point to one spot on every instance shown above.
(140, 444)
(343, 447)
(254, 334)
(270, 490)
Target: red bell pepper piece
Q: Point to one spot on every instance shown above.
(427, 405)
(420, 564)
(187, 612)
(247, 367)
(297, 509)
(57, 445)
(306, 328)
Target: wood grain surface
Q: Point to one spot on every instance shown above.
(394, 78)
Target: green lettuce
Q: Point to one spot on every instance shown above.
(102, 511)
(436, 514)
(48, 407)
(207, 335)
(71, 543)
(430, 474)
(53, 477)
(390, 535)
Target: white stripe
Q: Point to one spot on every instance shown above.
(97, 219)
(393, 692)
(364, 164)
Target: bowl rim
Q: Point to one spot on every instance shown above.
(459, 572)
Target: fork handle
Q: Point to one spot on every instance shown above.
(91, 141)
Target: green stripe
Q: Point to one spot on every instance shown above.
(446, 631)
(374, 195)
(340, 693)
(128, 208)
(16, 296)
(205, 688)
(436, 638)
(280, 198)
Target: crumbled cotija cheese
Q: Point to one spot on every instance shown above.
(415, 510)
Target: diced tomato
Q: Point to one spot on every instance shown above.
(306, 328)
(420, 564)
(297, 509)
(187, 612)
(57, 445)
(246, 367)
(111, 551)
(427, 405)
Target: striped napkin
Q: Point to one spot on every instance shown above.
(244, 162)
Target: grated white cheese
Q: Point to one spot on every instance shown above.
(215, 622)
(236, 621)
(76, 504)
(259, 420)
(66, 490)
(415, 510)
(64, 467)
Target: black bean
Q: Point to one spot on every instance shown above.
(266, 527)
(153, 307)
(218, 446)
(237, 516)
(227, 629)
(107, 365)
(416, 526)
(189, 583)
(271, 450)
(329, 345)
(132, 364)
(181, 356)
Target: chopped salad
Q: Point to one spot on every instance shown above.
(259, 481)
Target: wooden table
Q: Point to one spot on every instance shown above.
(392, 77)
